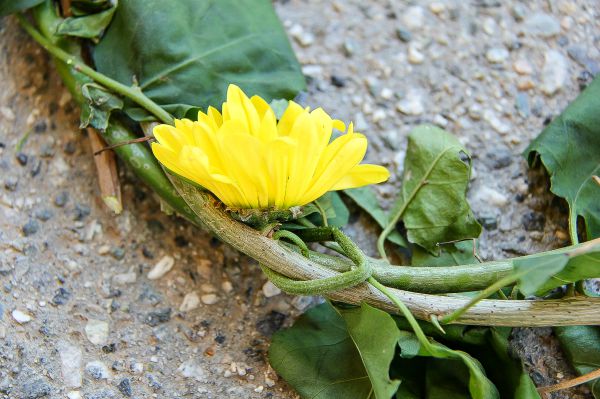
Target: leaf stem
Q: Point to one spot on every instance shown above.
(133, 93)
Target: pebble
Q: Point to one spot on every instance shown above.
(192, 369)
(160, 316)
(411, 104)
(303, 38)
(125, 387)
(270, 290)
(496, 123)
(490, 27)
(490, 196)
(349, 47)
(226, 286)
(496, 55)
(70, 359)
(522, 67)
(61, 296)
(43, 214)
(21, 317)
(74, 395)
(522, 104)
(124, 278)
(270, 323)
(413, 17)
(7, 114)
(97, 370)
(415, 56)
(579, 54)
(11, 183)
(96, 331)
(190, 302)
(543, 25)
(554, 73)
(30, 228)
(61, 199)
(162, 267)
(22, 159)
(437, 7)
(209, 299)
(137, 368)
(35, 388)
(403, 34)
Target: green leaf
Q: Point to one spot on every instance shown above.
(367, 200)
(433, 203)
(569, 148)
(185, 58)
(89, 26)
(460, 253)
(100, 103)
(8, 7)
(581, 344)
(318, 357)
(543, 272)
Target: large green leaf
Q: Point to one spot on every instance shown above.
(12, 6)
(543, 272)
(582, 347)
(184, 56)
(569, 148)
(432, 202)
(320, 359)
(367, 200)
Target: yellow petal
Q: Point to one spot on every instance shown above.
(362, 175)
(291, 113)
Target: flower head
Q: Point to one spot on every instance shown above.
(248, 159)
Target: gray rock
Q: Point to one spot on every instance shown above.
(61, 199)
(543, 25)
(10, 183)
(35, 388)
(579, 55)
(125, 387)
(43, 214)
(403, 34)
(158, 317)
(522, 104)
(30, 228)
(97, 370)
(70, 359)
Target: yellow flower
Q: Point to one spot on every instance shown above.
(248, 159)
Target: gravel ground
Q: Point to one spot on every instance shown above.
(143, 305)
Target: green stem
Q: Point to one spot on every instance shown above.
(133, 93)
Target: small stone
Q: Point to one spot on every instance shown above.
(61, 296)
(209, 299)
(125, 387)
(11, 183)
(7, 114)
(489, 222)
(192, 369)
(21, 317)
(496, 123)
(271, 323)
(525, 84)
(61, 199)
(118, 253)
(137, 368)
(437, 7)
(22, 158)
(270, 290)
(403, 34)
(349, 47)
(43, 214)
(554, 73)
(496, 55)
(490, 27)
(97, 370)
(30, 228)
(522, 104)
(475, 112)
(35, 388)
(519, 12)
(124, 278)
(226, 286)
(96, 331)
(415, 56)
(490, 196)
(411, 104)
(534, 221)
(413, 17)
(190, 302)
(74, 395)
(70, 359)
(158, 317)
(522, 67)
(81, 211)
(338, 81)
(303, 38)
(161, 268)
(386, 93)
(543, 25)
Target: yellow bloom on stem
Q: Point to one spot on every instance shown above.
(248, 159)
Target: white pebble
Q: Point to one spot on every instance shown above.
(523, 67)
(98, 370)
(190, 302)
(226, 286)
(415, 56)
(411, 104)
(70, 359)
(7, 114)
(161, 268)
(554, 73)
(137, 368)
(209, 299)
(21, 317)
(97, 331)
(413, 17)
(74, 395)
(124, 278)
(491, 197)
(270, 290)
(496, 55)
(192, 369)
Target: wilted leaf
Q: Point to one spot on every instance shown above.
(99, 104)
(8, 7)
(318, 357)
(582, 347)
(367, 200)
(185, 58)
(434, 185)
(89, 26)
(569, 148)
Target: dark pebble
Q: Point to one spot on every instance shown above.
(11, 183)
(534, 221)
(220, 338)
(40, 127)
(160, 316)
(61, 296)
(147, 253)
(81, 211)
(37, 167)
(43, 214)
(488, 222)
(61, 199)
(338, 81)
(181, 241)
(35, 388)
(125, 387)
(501, 158)
(110, 348)
(70, 147)
(520, 197)
(153, 382)
(30, 228)
(403, 35)
(271, 323)
(22, 159)
(118, 253)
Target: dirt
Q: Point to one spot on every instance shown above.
(72, 268)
